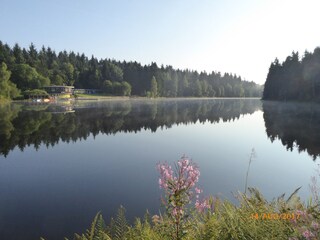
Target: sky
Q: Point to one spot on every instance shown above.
(239, 36)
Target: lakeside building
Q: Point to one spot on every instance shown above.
(58, 90)
(86, 91)
(66, 91)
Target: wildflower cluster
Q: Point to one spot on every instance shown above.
(180, 189)
(308, 225)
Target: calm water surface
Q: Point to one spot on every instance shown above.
(61, 164)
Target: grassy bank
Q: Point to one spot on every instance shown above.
(212, 218)
(82, 96)
(102, 96)
(254, 218)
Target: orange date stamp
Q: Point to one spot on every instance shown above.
(275, 216)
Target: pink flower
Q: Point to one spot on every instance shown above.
(174, 212)
(201, 206)
(315, 225)
(301, 213)
(166, 175)
(183, 163)
(198, 190)
(180, 188)
(177, 211)
(307, 234)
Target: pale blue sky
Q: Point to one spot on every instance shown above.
(241, 36)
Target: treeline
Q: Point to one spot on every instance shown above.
(25, 125)
(294, 79)
(31, 68)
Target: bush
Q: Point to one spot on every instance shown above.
(35, 93)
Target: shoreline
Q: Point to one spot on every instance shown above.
(103, 98)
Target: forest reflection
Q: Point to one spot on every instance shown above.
(23, 125)
(296, 125)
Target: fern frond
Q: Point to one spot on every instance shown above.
(90, 234)
(119, 225)
(97, 230)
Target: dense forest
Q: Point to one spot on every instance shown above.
(24, 69)
(294, 79)
(22, 125)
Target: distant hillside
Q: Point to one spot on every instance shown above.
(294, 79)
(33, 69)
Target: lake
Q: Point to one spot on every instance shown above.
(62, 163)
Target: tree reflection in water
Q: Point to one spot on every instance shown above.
(294, 124)
(26, 124)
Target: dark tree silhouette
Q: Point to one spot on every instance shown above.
(294, 79)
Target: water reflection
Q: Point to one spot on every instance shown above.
(57, 191)
(296, 125)
(29, 124)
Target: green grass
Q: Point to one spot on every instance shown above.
(82, 96)
(90, 95)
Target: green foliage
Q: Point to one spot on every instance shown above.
(35, 93)
(8, 90)
(143, 230)
(7, 114)
(248, 219)
(125, 89)
(119, 225)
(108, 87)
(68, 70)
(231, 222)
(118, 116)
(26, 77)
(154, 87)
(57, 79)
(32, 68)
(97, 231)
(117, 88)
(111, 71)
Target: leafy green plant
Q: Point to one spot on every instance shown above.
(97, 231)
(119, 226)
(252, 218)
(180, 189)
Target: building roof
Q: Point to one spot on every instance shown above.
(56, 86)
